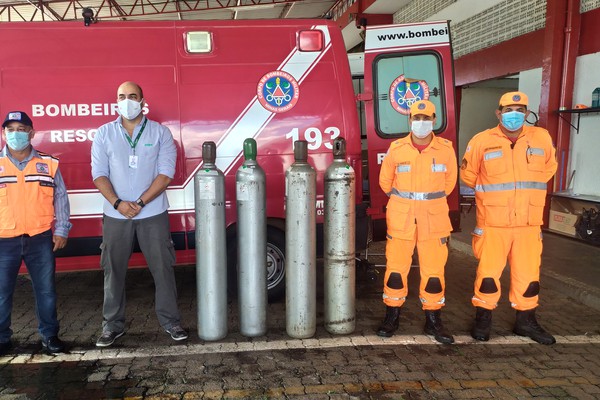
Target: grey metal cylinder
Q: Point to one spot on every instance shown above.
(300, 245)
(211, 254)
(250, 185)
(339, 243)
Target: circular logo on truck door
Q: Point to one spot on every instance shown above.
(278, 91)
(405, 91)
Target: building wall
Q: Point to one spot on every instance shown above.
(496, 38)
(585, 145)
(477, 110)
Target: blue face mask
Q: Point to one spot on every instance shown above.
(513, 120)
(17, 140)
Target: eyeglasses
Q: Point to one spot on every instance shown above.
(19, 129)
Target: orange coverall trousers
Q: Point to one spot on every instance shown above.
(522, 246)
(433, 254)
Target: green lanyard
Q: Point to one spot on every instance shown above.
(137, 138)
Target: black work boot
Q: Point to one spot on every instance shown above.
(527, 325)
(434, 326)
(483, 324)
(390, 323)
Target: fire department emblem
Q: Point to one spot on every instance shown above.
(278, 91)
(405, 91)
(42, 168)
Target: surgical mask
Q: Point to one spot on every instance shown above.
(421, 129)
(513, 120)
(17, 140)
(129, 109)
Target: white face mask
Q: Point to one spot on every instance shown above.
(421, 129)
(130, 109)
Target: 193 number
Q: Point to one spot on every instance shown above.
(314, 136)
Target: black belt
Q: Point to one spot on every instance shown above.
(16, 237)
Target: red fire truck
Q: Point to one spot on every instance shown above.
(223, 81)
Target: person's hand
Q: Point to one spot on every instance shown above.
(129, 209)
(59, 242)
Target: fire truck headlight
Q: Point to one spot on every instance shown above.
(198, 42)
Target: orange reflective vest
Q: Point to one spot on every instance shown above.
(27, 197)
(510, 180)
(417, 184)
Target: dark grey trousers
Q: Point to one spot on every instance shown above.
(154, 237)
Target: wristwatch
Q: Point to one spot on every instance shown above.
(140, 202)
(116, 204)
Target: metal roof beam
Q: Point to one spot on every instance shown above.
(286, 10)
(113, 9)
(44, 10)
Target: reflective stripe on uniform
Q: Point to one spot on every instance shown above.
(385, 296)
(492, 154)
(482, 301)
(8, 179)
(478, 231)
(496, 187)
(438, 167)
(419, 195)
(442, 300)
(535, 151)
(39, 178)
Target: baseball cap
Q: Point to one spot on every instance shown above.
(424, 107)
(510, 98)
(17, 116)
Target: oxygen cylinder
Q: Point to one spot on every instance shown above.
(211, 255)
(250, 183)
(300, 245)
(339, 245)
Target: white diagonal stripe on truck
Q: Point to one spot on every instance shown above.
(249, 124)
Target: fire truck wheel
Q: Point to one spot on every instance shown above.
(275, 263)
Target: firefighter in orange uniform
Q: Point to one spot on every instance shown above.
(509, 167)
(417, 174)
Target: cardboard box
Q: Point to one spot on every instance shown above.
(563, 222)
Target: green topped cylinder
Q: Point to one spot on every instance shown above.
(250, 149)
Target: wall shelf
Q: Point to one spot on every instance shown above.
(577, 112)
(577, 196)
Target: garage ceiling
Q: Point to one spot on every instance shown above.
(67, 10)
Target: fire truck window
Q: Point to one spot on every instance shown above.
(402, 80)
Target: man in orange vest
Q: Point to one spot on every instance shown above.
(417, 174)
(509, 167)
(32, 192)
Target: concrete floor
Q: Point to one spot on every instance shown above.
(146, 363)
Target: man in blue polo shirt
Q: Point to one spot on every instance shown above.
(133, 162)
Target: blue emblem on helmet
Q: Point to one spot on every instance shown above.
(278, 91)
(516, 97)
(404, 92)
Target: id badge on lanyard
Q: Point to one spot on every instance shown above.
(133, 161)
(133, 158)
